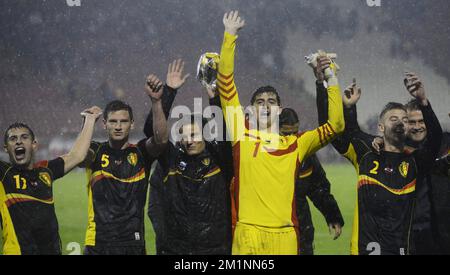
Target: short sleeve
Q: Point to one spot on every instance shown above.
(56, 166)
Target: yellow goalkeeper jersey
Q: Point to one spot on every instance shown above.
(266, 164)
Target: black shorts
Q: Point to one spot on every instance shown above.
(114, 250)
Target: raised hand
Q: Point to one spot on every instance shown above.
(323, 63)
(175, 78)
(351, 94)
(212, 92)
(415, 87)
(154, 88)
(232, 22)
(92, 113)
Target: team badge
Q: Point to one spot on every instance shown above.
(403, 168)
(45, 178)
(132, 159)
(206, 161)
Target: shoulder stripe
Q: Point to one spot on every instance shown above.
(228, 98)
(225, 77)
(41, 164)
(225, 90)
(320, 136)
(225, 84)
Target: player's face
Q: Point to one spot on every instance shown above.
(192, 139)
(417, 131)
(20, 147)
(394, 126)
(267, 109)
(287, 129)
(118, 125)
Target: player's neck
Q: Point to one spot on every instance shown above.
(393, 148)
(118, 145)
(266, 128)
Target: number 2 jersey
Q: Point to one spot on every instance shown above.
(29, 222)
(117, 191)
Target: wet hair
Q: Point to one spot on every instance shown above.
(18, 125)
(413, 105)
(265, 89)
(288, 116)
(391, 106)
(117, 105)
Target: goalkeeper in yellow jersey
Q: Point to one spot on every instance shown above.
(266, 163)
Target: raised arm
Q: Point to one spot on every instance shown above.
(174, 81)
(155, 145)
(223, 150)
(231, 107)
(428, 154)
(313, 140)
(80, 149)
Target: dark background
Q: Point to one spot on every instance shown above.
(56, 60)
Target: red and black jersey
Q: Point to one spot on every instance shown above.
(27, 209)
(117, 190)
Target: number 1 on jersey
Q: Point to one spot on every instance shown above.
(255, 153)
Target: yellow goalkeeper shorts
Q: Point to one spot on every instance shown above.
(257, 240)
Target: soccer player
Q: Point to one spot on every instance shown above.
(29, 222)
(118, 178)
(190, 204)
(430, 227)
(312, 183)
(387, 180)
(265, 163)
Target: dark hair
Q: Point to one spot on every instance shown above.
(288, 116)
(265, 89)
(18, 125)
(193, 118)
(115, 106)
(413, 105)
(392, 106)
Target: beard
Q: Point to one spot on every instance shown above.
(396, 135)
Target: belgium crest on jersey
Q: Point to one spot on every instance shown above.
(403, 168)
(132, 159)
(206, 161)
(45, 178)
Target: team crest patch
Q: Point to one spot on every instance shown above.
(132, 159)
(206, 161)
(45, 177)
(403, 168)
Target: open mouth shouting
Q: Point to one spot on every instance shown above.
(19, 153)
